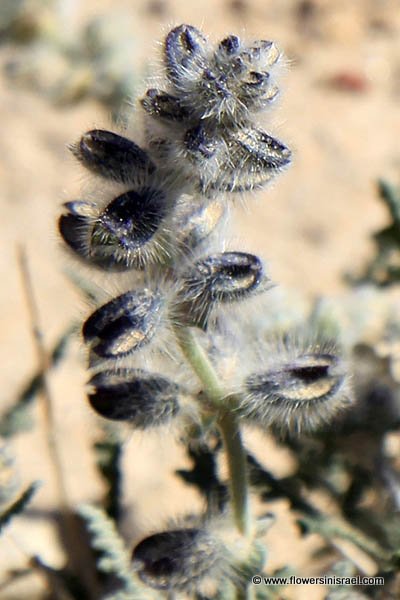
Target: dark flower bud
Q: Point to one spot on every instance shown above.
(252, 158)
(164, 106)
(71, 227)
(122, 235)
(127, 224)
(228, 160)
(124, 325)
(177, 559)
(185, 52)
(144, 399)
(304, 391)
(225, 277)
(112, 156)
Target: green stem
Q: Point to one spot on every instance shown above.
(227, 422)
(201, 365)
(236, 456)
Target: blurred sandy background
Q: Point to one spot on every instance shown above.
(339, 112)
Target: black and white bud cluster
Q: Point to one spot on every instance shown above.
(206, 113)
(157, 207)
(155, 217)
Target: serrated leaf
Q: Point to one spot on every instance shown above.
(114, 556)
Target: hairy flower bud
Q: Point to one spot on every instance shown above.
(234, 160)
(225, 84)
(129, 221)
(178, 559)
(164, 106)
(143, 399)
(225, 277)
(112, 156)
(208, 112)
(185, 53)
(302, 391)
(122, 235)
(124, 325)
(252, 158)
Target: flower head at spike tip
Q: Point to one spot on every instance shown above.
(225, 83)
(301, 388)
(179, 559)
(142, 399)
(207, 132)
(125, 324)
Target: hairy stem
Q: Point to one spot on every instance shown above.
(227, 422)
(236, 456)
(201, 365)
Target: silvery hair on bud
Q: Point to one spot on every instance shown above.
(298, 386)
(142, 399)
(125, 324)
(223, 278)
(179, 559)
(202, 124)
(225, 82)
(129, 228)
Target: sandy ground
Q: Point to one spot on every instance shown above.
(311, 226)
